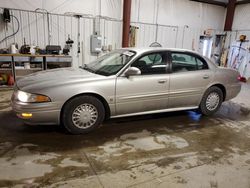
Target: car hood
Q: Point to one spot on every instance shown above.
(55, 77)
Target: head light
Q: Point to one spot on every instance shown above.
(29, 97)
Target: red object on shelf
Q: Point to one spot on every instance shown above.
(11, 80)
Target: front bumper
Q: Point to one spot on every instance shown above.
(42, 113)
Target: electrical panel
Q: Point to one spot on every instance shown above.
(96, 43)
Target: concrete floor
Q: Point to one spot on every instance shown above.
(164, 150)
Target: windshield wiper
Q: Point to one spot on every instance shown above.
(102, 73)
(85, 67)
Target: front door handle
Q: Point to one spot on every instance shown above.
(205, 76)
(162, 81)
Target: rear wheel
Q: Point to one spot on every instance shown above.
(83, 114)
(211, 101)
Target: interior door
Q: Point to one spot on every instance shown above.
(188, 80)
(145, 92)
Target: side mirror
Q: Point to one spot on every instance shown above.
(131, 71)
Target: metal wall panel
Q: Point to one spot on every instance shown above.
(34, 28)
(167, 36)
(241, 17)
(146, 34)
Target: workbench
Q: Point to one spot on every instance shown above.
(14, 64)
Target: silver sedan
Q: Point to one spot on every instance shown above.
(125, 82)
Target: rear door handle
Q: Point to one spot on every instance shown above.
(205, 76)
(161, 81)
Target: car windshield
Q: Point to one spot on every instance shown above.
(110, 63)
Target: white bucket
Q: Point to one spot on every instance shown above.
(27, 65)
(13, 49)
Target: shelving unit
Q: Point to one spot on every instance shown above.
(6, 67)
(19, 65)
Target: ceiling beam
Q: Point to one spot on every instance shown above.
(242, 2)
(212, 2)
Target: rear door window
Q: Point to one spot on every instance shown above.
(184, 62)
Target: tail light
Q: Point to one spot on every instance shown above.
(242, 79)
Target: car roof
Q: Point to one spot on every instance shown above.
(151, 49)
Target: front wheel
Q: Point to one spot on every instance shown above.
(211, 101)
(83, 114)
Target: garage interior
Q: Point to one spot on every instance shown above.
(174, 149)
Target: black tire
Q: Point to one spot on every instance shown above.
(72, 105)
(203, 107)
